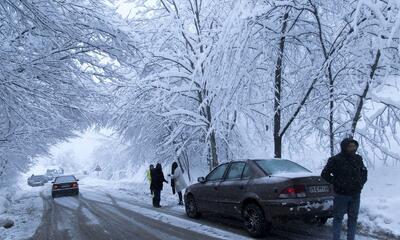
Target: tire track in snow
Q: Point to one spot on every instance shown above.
(154, 229)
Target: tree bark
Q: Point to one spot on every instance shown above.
(278, 89)
(360, 105)
(331, 82)
(331, 114)
(212, 140)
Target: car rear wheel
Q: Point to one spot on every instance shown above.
(254, 220)
(191, 207)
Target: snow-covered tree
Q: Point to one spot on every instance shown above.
(173, 89)
(55, 55)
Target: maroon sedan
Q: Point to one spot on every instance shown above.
(261, 191)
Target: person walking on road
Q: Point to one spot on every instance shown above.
(177, 181)
(157, 180)
(348, 174)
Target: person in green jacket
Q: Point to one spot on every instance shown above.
(149, 174)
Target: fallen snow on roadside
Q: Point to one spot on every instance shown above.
(380, 201)
(26, 210)
(176, 221)
(126, 189)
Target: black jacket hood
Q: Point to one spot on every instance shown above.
(346, 142)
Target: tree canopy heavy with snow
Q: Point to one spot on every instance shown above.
(54, 55)
(199, 81)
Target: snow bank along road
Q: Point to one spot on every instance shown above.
(103, 214)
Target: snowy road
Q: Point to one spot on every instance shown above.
(100, 213)
(83, 218)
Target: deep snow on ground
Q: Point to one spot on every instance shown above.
(380, 201)
(25, 209)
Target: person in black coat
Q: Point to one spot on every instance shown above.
(348, 174)
(157, 180)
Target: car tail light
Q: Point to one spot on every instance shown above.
(74, 185)
(296, 191)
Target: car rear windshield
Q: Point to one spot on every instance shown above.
(275, 166)
(65, 179)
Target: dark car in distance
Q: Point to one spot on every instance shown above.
(259, 192)
(53, 173)
(37, 180)
(65, 185)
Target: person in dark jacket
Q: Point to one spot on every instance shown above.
(347, 173)
(157, 180)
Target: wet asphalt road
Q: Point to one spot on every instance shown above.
(89, 216)
(80, 218)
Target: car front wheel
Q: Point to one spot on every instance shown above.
(191, 207)
(254, 220)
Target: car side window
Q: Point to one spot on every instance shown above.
(217, 173)
(246, 172)
(235, 171)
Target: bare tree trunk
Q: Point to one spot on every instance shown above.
(278, 90)
(331, 114)
(213, 145)
(331, 82)
(3, 166)
(212, 140)
(187, 163)
(360, 104)
(196, 8)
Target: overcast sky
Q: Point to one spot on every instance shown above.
(81, 148)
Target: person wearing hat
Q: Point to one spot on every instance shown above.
(348, 174)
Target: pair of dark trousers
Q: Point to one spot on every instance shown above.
(350, 205)
(156, 198)
(180, 197)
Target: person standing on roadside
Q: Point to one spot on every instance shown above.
(157, 180)
(149, 174)
(177, 181)
(348, 174)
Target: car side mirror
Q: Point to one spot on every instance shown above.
(201, 180)
(77, 180)
(52, 182)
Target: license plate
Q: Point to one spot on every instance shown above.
(318, 189)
